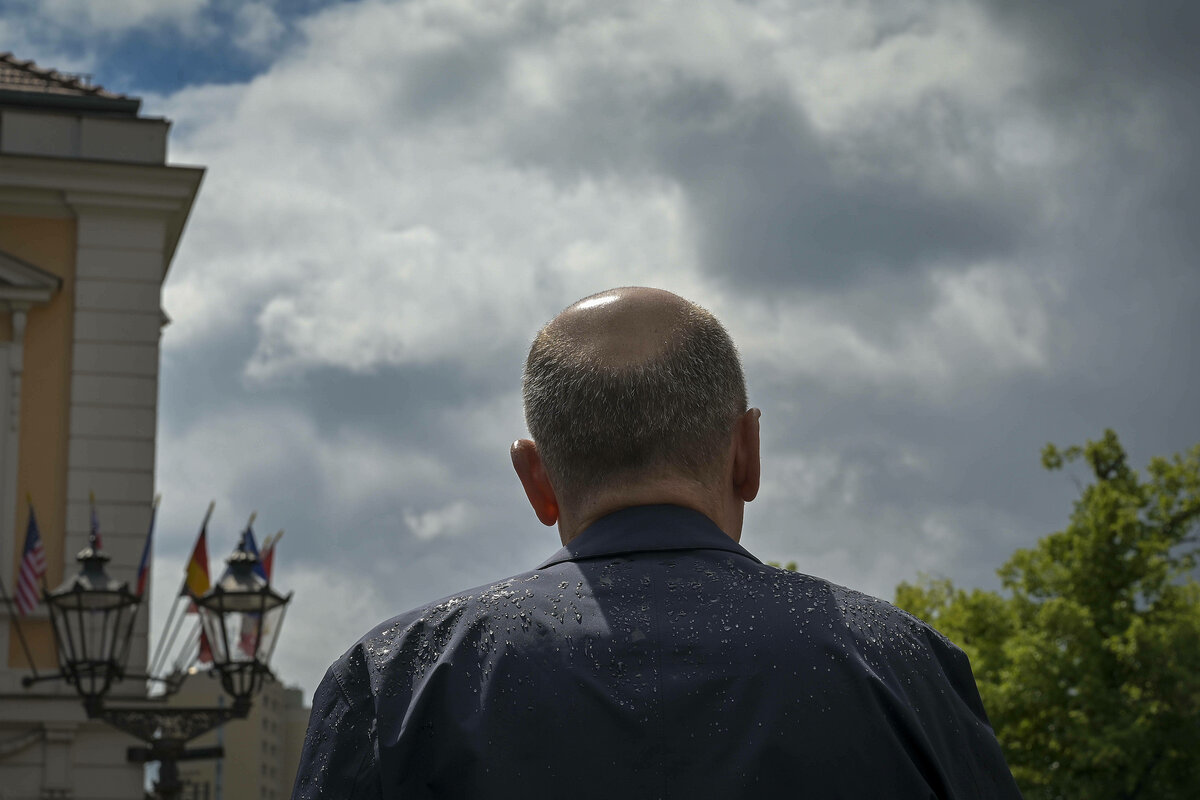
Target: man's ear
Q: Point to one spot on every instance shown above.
(527, 461)
(747, 466)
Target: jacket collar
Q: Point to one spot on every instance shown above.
(644, 528)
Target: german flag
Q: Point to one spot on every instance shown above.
(196, 581)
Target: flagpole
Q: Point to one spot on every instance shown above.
(153, 665)
(179, 596)
(154, 662)
(17, 622)
(133, 614)
(189, 642)
(93, 523)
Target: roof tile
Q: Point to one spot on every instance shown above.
(25, 76)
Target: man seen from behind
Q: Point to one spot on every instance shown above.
(652, 656)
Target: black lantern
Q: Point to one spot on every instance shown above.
(93, 617)
(241, 616)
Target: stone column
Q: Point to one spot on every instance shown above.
(56, 766)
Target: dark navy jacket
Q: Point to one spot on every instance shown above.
(652, 657)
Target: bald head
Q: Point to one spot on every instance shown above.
(628, 383)
(622, 328)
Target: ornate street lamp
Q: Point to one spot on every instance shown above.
(93, 618)
(241, 616)
(92, 615)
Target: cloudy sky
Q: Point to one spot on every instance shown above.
(943, 233)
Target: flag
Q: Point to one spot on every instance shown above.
(268, 555)
(248, 641)
(251, 547)
(268, 561)
(33, 567)
(196, 581)
(94, 536)
(143, 573)
(251, 621)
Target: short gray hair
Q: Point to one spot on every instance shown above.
(595, 423)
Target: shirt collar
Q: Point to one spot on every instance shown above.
(643, 528)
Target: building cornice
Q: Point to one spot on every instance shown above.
(94, 104)
(72, 184)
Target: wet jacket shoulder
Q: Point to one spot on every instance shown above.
(653, 657)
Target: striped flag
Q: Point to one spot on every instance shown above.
(268, 554)
(33, 567)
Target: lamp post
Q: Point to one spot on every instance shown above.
(93, 617)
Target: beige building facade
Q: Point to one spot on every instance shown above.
(262, 751)
(91, 214)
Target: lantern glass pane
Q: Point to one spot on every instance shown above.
(214, 637)
(91, 637)
(68, 645)
(270, 634)
(249, 628)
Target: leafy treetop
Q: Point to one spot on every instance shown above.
(1089, 660)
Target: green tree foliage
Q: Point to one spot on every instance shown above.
(1089, 660)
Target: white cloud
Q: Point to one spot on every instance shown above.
(983, 323)
(329, 611)
(855, 63)
(423, 294)
(23, 37)
(813, 480)
(359, 235)
(448, 520)
(370, 245)
(222, 456)
(257, 28)
(994, 311)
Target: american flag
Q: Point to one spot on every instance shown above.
(33, 567)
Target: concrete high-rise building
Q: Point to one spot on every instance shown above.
(91, 214)
(262, 751)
